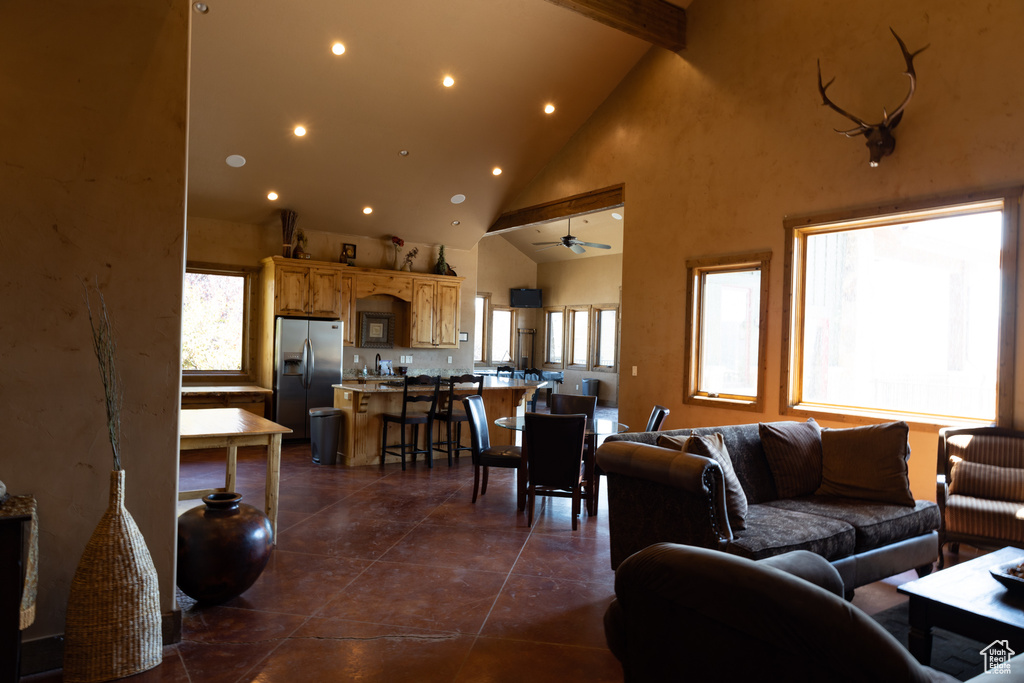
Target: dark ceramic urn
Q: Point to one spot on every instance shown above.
(223, 548)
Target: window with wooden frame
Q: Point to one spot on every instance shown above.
(502, 336)
(903, 312)
(605, 338)
(554, 337)
(727, 310)
(216, 322)
(578, 337)
(480, 306)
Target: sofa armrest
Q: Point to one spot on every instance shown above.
(658, 494)
(809, 567)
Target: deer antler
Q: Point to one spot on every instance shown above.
(910, 73)
(861, 125)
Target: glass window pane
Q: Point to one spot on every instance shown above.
(501, 337)
(580, 330)
(729, 327)
(478, 330)
(606, 337)
(905, 317)
(555, 332)
(212, 322)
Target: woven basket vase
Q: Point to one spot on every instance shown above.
(113, 618)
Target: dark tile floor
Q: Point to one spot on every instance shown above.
(385, 575)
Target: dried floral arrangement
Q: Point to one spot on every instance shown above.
(410, 256)
(105, 348)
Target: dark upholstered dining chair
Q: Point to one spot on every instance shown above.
(566, 404)
(658, 415)
(450, 412)
(418, 415)
(486, 456)
(554, 451)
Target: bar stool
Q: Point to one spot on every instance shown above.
(452, 411)
(414, 417)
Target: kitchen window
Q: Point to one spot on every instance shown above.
(216, 304)
(727, 303)
(554, 337)
(904, 313)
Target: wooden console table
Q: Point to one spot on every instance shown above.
(230, 428)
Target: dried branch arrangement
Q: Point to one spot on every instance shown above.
(105, 347)
(287, 229)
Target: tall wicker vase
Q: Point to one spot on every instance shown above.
(113, 618)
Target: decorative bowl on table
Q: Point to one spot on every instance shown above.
(1011, 575)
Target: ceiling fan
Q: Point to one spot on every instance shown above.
(571, 242)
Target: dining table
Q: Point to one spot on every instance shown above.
(595, 428)
(230, 428)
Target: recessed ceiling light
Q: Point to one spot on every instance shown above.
(338, 49)
(300, 131)
(403, 153)
(458, 198)
(271, 196)
(617, 216)
(496, 171)
(549, 109)
(456, 222)
(235, 161)
(368, 210)
(448, 81)
(201, 7)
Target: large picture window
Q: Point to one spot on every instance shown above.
(904, 314)
(215, 321)
(727, 299)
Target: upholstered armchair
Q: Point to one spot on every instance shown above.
(980, 487)
(683, 613)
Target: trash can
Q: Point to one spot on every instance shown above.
(324, 429)
(590, 386)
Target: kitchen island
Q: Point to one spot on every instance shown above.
(362, 406)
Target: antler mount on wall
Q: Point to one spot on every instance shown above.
(880, 142)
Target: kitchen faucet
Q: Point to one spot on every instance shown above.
(376, 365)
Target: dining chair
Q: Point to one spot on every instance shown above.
(450, 411)
(563, 404)
(486, 456)
(505, 368)
(554, 451)
(534, 375)
(419, 415)
(657, 418)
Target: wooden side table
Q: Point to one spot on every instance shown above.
(17, 579)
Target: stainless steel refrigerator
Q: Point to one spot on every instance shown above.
(307, 361)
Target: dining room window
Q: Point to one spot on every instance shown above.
(904, 312)
(215, 321)
(554, 337)
(480, 306)
(606, 337)
(503, 326)
(579, 337)
(727, 298)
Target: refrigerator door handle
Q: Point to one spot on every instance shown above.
(307, 364)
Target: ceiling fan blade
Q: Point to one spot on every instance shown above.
(545, 244)
(594, 245)
(555, 244)
(577, 249)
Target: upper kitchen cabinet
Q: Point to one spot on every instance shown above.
(434, 314)
(315, 290)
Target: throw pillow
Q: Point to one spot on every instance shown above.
(986, 481)
(793, 452)
(713, 446)
(869, 463)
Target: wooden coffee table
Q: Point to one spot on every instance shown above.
(965, 599)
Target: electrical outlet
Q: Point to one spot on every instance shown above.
(634, 371)
(577, 387)
(355, 358)
(449, 360)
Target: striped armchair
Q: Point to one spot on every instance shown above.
(980, 487)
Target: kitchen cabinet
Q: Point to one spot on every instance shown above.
(434, 313)
(300, 289)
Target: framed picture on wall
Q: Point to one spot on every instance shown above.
(348, 253)
(376, 330)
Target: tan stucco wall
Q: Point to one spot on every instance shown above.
(92, 187)
(503, 267)
(717, 144)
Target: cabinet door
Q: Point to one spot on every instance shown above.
(447, 301)
(324, 293)
(348, 309)
(291, 290)
(421, 318)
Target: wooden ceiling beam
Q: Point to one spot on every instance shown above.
(656, 21)
(577, 205)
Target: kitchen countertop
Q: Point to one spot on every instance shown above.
(490, 382)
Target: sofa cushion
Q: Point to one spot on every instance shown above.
(995, 519)
(793, 450)
(876, 524)
(713, 446)
(867, 463)
(986, 481)
(773, 531)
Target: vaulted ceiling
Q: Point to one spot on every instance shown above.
(382, 131)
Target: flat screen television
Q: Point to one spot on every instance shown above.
(524, 298)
